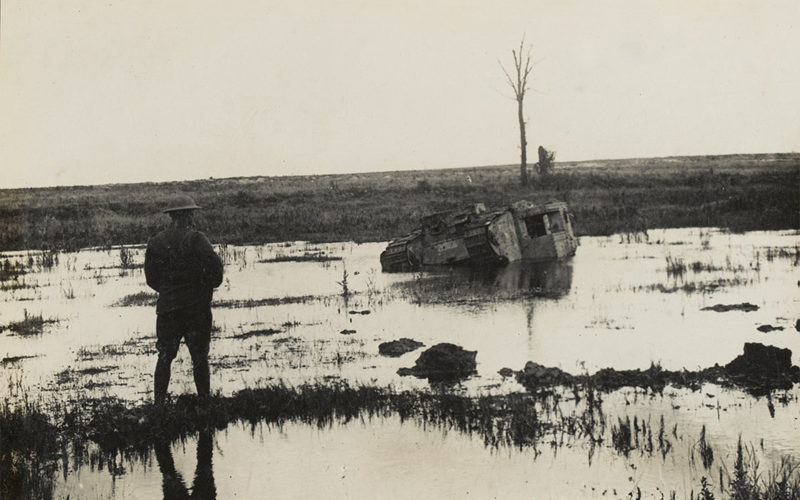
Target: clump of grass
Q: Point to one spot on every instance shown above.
(621, 436)
(31, 324)
(125, 258)
(28, 452)
(698, 267)
(705, 492)
(8, 360)
(744, 306)
(43, 259)
(306, 257)
(137, 299)
(772, 253)
(705, 450)
(7, 286)
(267, 332)
(344, 284)
(675, 266)
(696, 286)
(11, 270)
(271, 301)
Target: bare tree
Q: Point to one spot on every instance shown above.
(519, 84)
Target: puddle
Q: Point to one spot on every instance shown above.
(279, 317)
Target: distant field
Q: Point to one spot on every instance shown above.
(740, 192)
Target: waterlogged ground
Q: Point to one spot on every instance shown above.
(81, 325)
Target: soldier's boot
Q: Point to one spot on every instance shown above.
(202, 378)
(161, 380)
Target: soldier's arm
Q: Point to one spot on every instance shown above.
(209, 260)
(152, 269)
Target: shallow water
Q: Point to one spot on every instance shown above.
(387, 458)
(615, 304)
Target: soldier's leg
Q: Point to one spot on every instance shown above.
(167, 343)
(198, 338)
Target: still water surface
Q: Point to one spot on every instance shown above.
(622, 303)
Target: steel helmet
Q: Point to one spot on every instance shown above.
(181, 202)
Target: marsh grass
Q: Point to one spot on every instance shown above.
(31, 324)
(306, 257)
(266, 332)
(11, 285)
(747, 481)
(696, 286)
(11, 270)
(29, 449)
(106, 432)
(140, 346)
(10, 360)
(270, 301)
(791, 253)
(740, 192)
(675, 266)
(137, 299)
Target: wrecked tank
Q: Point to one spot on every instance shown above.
(522, 231)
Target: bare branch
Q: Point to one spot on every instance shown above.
(508, 77)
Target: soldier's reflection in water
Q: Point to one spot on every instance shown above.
(172, 482)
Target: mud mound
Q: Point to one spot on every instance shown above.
(397, 348)
(759, 370)
(536, 375)
(744, 306)
(763, 366)
(443, 362)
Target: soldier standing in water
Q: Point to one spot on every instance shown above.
(183, 268)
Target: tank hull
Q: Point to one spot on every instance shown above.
(523, 231)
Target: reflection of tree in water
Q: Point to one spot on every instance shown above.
(172, 483)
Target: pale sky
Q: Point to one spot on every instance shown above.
(95, 92)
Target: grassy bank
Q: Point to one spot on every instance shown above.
(741, 192)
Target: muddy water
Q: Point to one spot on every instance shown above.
(621, 302)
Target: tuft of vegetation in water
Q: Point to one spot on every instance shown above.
(744, 306)
(11, 270)
(306, 257)
(137, 299)
(621, 436)
(690, 287)
(266, 332)
(9, 360)
(31, 324)
(29, 449)
(792, 253)
(675, 266)
(270, 301)
(705, 450)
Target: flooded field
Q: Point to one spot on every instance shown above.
(80, 326)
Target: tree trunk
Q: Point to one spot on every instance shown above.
(523, 146)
